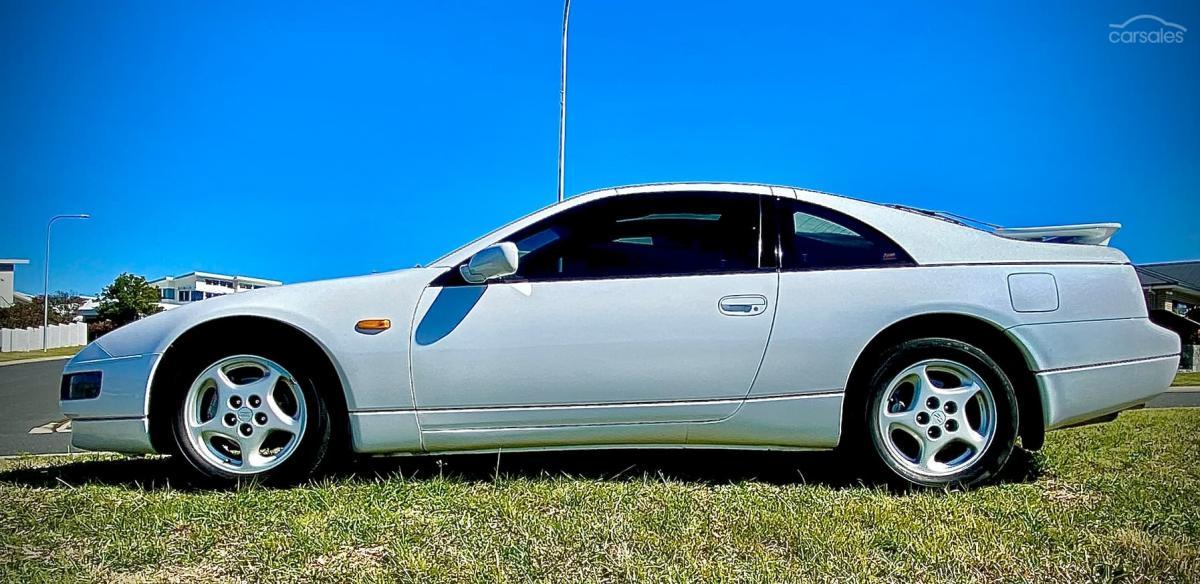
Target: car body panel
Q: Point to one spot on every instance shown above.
(1068, 345)
(373, 364)
(1071, 396)
(654, 361)
(819, 336)
(514, 354)
(127, 435)
(125, 381)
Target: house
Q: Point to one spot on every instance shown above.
(7, 280)
(194, 286)
(1171, 286)
(1172, 292)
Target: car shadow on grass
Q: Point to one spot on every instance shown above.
(830, 469)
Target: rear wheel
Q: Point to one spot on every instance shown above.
(251, 416)
(940, 412)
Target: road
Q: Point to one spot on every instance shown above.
(29, 399)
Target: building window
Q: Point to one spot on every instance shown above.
(184, 296)
(167, 293)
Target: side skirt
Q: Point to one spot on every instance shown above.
(794, 422)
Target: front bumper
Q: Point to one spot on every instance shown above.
(128, 435)
(117, 419)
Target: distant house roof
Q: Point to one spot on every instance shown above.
(1182, 274)
(13, 261)
(200, 274)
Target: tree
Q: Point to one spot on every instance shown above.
(127, 299)
(30, 314)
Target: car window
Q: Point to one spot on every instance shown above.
(816, 238)
(643, 235)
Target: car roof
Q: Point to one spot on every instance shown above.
(929, 240)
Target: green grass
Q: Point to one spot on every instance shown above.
(60, 352)
(1186, 379)
(1114, 502)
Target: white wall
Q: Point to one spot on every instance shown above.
(30, 339)
(6, 287)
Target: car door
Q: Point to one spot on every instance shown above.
(632, 309)
(838, 288)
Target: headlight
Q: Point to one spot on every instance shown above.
(80, 386)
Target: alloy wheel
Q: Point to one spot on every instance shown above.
(936, 418)
(245, 414)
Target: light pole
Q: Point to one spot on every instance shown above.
(562, 101)
(46, 279)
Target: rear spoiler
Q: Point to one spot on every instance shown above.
(1084, 233)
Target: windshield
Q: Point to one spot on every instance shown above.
(440, 261)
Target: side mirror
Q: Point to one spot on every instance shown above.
(493, 261)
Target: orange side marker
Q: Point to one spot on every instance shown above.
(373, 325)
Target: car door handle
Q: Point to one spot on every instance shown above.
(743, 305)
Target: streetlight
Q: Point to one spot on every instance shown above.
(46, 280)
(562, 101)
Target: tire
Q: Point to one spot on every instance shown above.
(247, 414)
(939, 413)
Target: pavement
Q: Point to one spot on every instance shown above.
(29, 398)
(30, 422)
(1177, 397)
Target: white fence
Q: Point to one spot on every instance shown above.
(30, 339)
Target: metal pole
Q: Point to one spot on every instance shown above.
(46, 277)
(562, 101)
(46, 286)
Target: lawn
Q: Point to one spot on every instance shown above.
(60, 352)
(1186, 379)
(1115, 502)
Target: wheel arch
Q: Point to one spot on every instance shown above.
(297, 339)
(1009, 353)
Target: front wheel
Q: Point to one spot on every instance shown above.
(941, 413)
(250, 416)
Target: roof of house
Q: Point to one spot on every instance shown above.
(13, 261)
(221, 276)
(1183, 274)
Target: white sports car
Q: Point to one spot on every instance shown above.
(676, 315)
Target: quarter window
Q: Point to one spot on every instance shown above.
(813, 237)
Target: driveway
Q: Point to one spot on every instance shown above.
(29, 402)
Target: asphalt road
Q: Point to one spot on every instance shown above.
(29, 399)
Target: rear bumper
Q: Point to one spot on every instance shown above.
(1088, 369)
(1076, 395)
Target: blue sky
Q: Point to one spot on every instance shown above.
(306, 141)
